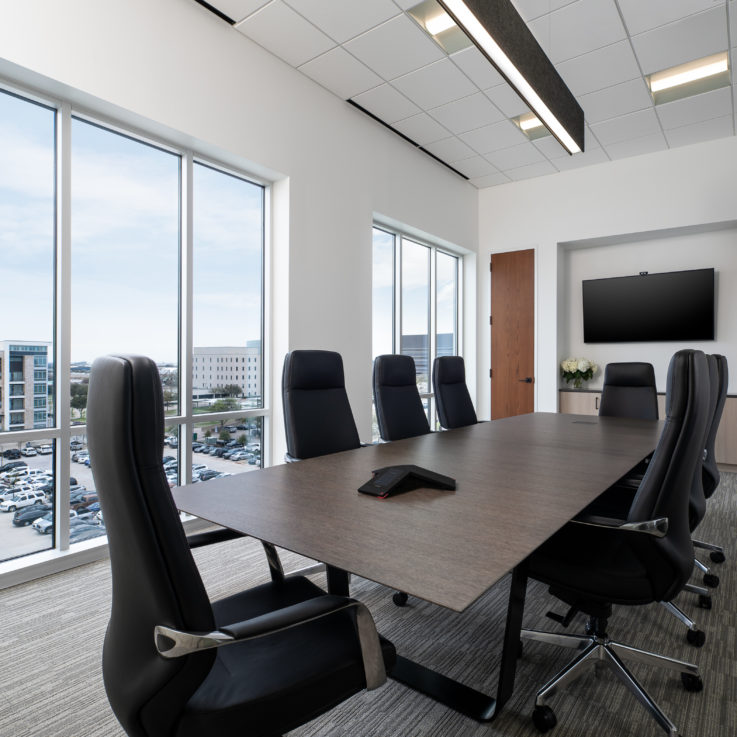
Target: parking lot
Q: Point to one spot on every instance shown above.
(17, 541)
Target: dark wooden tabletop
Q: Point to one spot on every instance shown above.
(518, 481)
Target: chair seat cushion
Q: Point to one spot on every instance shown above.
(272, 684)
(593, 563)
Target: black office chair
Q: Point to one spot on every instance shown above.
(455, 408)
(710, 471)
(629, 391)
(399, 409)
(644, 558)
(317, 414)
(260, 662)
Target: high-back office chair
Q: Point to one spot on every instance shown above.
(317, 414)
(399, 410)
(259, 662)
(455, 408)
(646, 558)
(710, 471)
(629, 391)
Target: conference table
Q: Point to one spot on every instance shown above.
(518, 481)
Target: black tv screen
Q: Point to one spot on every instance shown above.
(676, 306)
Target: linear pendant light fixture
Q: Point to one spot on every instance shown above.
(502, 36)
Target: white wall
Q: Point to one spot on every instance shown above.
(716, 250)
(172, 67)
(687, 188)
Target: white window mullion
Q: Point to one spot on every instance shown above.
(186, 310)
(63, 322)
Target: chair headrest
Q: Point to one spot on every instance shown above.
(629, 374)
(309, 369)
(395, 370)
(450, 370)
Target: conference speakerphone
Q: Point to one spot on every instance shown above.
(396, 479)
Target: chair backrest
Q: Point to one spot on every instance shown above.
(399, 409)
(665, 489)
(710, 476)
(455, 408)
(629, 391)
(317, 415)
(155, 580)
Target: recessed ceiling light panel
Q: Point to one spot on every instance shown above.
(701, 75)
(440, 26)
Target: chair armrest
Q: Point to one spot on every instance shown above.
(656, 527)
(210, 537)
(172, 643)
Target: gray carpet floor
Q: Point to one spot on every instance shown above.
(52, 632)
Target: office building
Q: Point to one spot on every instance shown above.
(24, 384)
(219, 366)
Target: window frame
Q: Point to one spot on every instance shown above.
(61, 430)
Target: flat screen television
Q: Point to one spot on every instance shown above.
(674, 306)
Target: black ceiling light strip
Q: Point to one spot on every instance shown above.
(501, 21)
(217, 12)
(406, 138)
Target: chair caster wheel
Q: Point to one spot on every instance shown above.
(400, 598)
(711, 580)
(695, 637)
(704, 601)
(692, 682)
(717, 556)
(543, 718)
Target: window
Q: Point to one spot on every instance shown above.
(130, 288)
(415, 304)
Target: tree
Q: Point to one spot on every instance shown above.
(224, 435)
(232, 390)
(79, 395)
(170, 378)
(224, 405)
(242, 439)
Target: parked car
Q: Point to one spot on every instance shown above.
(76, 445)
(24, 499)
(10, 466)
(80, 455)
(11, 453)
(28, 452)
(88, 531)
(27, 515)
(80, 501)
(198, 467)
(44, 525)
(208, 474)
(45, 450)
(239, 455)
(11, 491)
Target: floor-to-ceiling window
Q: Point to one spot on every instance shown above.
(415, 304)
(113, 242)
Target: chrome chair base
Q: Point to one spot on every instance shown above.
(600, 649)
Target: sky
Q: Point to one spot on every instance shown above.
(125, 242)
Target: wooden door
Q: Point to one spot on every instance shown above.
(512, 333)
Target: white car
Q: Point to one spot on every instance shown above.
(24, 499)
(44, 525)
(14, 491)
(45, 450)
(28, 452)
(23, 474)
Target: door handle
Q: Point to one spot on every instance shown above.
(526, 380)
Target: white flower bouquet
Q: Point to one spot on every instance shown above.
(577, 370)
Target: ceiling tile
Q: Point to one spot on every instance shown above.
(404, 4)
(285, 33)
(422, 129)
(619, 99)
(477, 68)
(464, 115)
(345, 19)
(706, 130)
(634, 125)
(637, 146)
(450, 149)
(507, 100)
(685, 40)
(492, 180)
(516, 156)
(531, 170)
(644, 16)
(387, 104)
(560, 33)
(238, 9)
(715, 104)
(395, 48)
(732, 10)
(595, 156)
(435, 84)
(476, 166)
(602, 68)
(493, 137)
(341, 73)
(530, 9)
